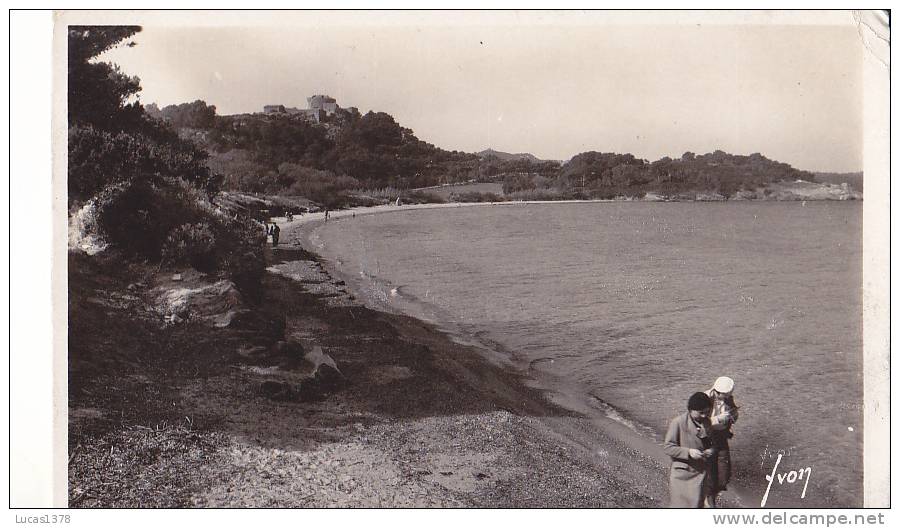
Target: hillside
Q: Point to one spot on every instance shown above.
(506, 156)
(337, 156)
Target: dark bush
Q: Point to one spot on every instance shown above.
(355, 200)
(475, 197)
(173, 223)
(192, 244)
(138, 216)
(98, 158)
(421, 197)
(187, 115)
(539, 194)
(239, 251)
(245, 268)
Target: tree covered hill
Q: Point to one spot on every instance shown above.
(289, 155)
(506, 156)
(607, 175)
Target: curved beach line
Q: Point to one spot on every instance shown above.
(308, 218)
(606, 418)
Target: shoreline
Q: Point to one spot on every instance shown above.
(181, 416)
(599, 420)
(201, 413)
(306, 218)
(513, 412)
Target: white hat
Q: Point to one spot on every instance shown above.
(724, 385)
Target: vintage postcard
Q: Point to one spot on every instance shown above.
(472, 259)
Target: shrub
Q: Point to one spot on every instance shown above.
(240, 250)
(174, 223)
(98, 158)
(475, 197)
(421, 197)
(245, 269)
(192, 244)
(357, 200)
(518, 182)
(138, 216)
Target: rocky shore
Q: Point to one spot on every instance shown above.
(184, 394)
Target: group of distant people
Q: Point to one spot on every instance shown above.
(697, 443)
(273, 231)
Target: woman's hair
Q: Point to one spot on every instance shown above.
(699, 401)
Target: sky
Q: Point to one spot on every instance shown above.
(553, 86)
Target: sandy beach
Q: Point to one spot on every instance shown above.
(595, 437)
(420, 420)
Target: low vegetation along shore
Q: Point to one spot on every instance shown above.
(184, 393)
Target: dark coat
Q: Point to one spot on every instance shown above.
(688, 476)
(276, 232)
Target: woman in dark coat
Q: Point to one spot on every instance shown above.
(688, 443)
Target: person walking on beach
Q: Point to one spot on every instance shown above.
(276, 232)
(723, 414)
(326, 214)
(689, 445)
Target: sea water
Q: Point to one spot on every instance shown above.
(637, 305)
